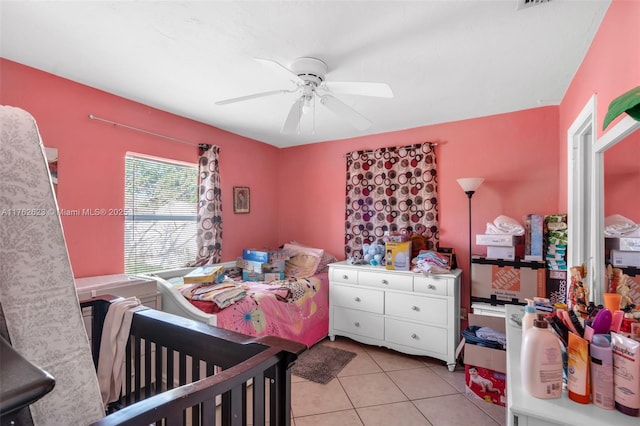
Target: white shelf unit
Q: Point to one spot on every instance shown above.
(409, 312)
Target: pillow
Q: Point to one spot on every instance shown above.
(303, 262)
(325, 259)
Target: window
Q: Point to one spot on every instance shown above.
(161, 198)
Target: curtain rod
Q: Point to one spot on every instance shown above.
(413, 146)
(126, 126)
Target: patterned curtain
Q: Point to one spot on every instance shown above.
(391, 190)
(209, 236)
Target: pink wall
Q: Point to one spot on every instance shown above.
(298, 193)
(610, 68)
(515, 153)
(91, 163)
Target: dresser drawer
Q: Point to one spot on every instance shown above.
(357, 298)
(386, 281)
(349, 276)
(358, 322)
(430, 285)
(418, 308)
(424, 337)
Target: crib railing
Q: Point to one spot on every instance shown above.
(183, 372)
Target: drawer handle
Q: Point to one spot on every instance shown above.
(431, 287)
(357, 324)
(345, 277)
(385, 282)
(357, 299)
(414, 336)
(415, 308)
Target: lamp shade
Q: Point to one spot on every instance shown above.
(470, 184)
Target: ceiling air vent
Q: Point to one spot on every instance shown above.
(523, 4)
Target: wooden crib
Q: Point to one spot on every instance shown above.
(202, 370)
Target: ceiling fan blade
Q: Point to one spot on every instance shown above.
(293, 118)
(379, 90)
(254, 96)
(278, 68)
(343, 110)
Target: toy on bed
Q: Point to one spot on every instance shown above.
(296, 307)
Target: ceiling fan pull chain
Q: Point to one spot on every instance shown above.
(313, 119)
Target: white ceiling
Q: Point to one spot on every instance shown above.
(444, 60)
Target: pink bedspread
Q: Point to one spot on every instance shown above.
(263, 312)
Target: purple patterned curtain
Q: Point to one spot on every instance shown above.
(391, 189)
(209, 236)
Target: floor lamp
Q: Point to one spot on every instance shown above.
(469, 186)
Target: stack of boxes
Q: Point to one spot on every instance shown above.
(556, 238)
(624, 251)
(500, 246)
(503, 276)
(486, 366)
(262, 264)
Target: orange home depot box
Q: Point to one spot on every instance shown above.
(498, 281)
(485, 368)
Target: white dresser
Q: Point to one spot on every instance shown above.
(401, 310)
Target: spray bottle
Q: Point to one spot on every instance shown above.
(602, 372)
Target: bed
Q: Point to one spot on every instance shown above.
(294, 308)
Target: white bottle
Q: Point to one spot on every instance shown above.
(602, 372)
(528, 317)
(541, 362)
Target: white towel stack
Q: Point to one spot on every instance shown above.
(616, 226)
(505, 225)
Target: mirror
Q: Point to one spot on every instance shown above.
(617, 165)
(622, 178)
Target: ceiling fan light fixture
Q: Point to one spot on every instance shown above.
(306, 105)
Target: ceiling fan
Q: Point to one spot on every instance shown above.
(309, 76)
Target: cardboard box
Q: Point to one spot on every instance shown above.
(490, 384)
(261, 267)
(625, 258)
(398, 255)
(266, 277)
(499, 252)
(204, 274)
(623, 243)
(506, 281)
(504, 240)
(264, 255)
(556, 286)
(533, 240)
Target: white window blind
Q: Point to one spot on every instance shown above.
(160, 227)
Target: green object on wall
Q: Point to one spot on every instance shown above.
(628, 102)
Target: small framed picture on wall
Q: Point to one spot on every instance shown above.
(241, 199)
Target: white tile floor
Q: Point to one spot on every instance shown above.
(384, 387)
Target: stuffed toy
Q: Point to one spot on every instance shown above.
(373, 254)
